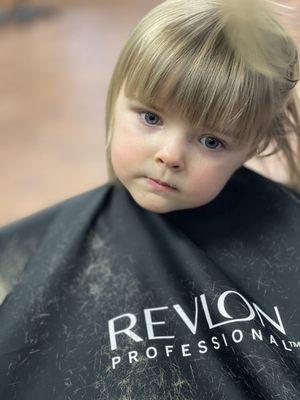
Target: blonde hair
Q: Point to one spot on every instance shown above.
(228, 65)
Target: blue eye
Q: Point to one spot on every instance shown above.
(150, 117)
(212, 143)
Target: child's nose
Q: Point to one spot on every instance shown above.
(171, 154)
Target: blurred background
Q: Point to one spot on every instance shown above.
(56, 60)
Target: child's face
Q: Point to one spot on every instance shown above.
(161, 146)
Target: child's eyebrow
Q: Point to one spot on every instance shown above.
(137, 102)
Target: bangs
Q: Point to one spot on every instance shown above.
(206, 84)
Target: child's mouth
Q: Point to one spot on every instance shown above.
(163, 186)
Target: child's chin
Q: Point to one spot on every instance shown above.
(157, 207)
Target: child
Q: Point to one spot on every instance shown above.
(179, 278)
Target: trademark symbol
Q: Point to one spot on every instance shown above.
(294, 344)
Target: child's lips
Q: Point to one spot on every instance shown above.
(162, 183)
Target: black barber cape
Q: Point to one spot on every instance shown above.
(102, 299)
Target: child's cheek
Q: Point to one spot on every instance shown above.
(207, 185)
(125, 152)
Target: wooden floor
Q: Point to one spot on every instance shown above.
(55, 71)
